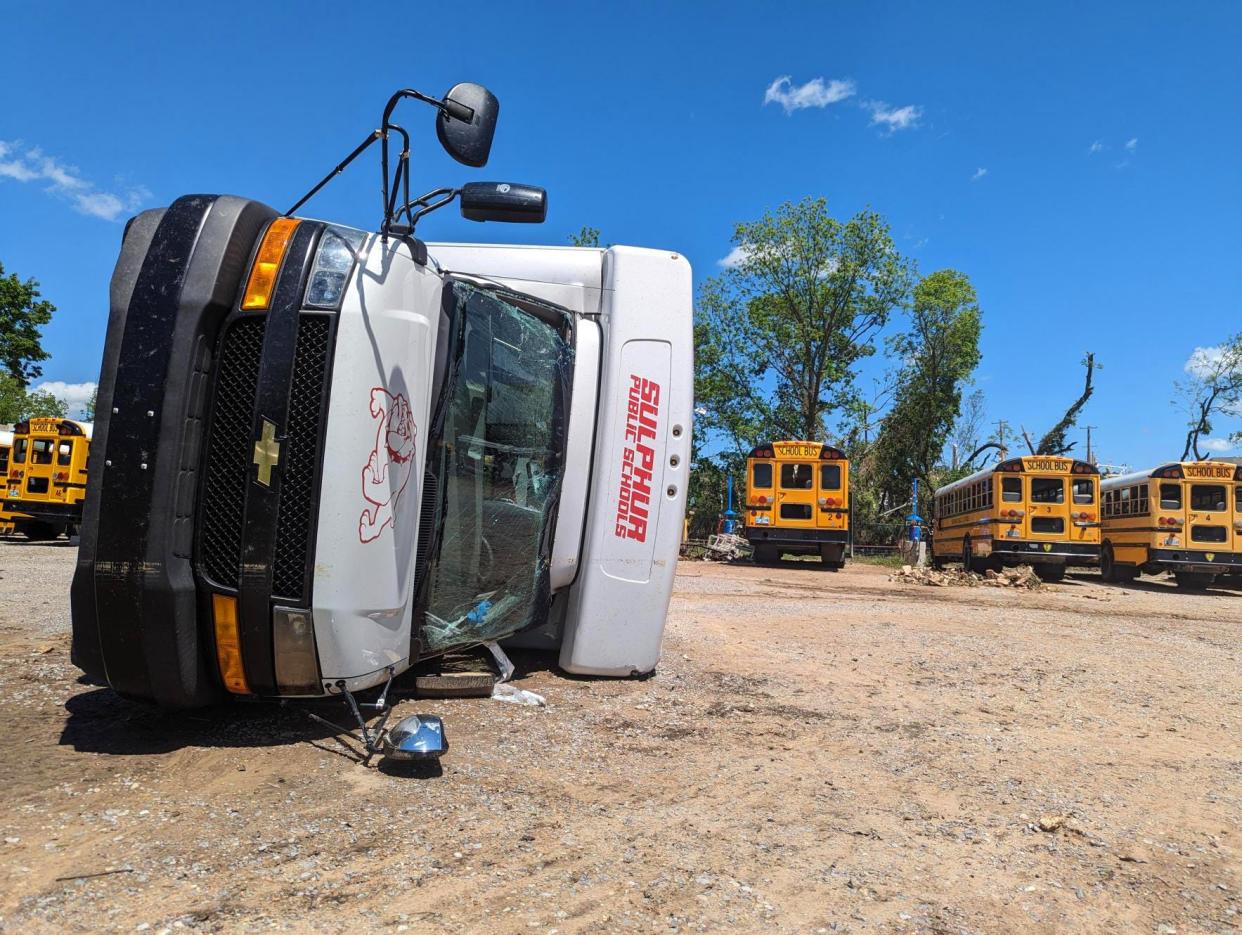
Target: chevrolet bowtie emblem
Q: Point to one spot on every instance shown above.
(266, 453)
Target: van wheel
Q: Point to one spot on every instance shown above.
(40, 532)
(1193, 580)
(1108, 568)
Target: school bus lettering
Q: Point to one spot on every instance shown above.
(1057, 465)
(638, 459)
(1220, 471)
(788, 450)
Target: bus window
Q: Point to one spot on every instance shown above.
(795, 511)
(1047, 490)
(1011, 489)
(761, 476)
(1207, 497)
(19, 451)
(64, 452)
(1170, 496)
(796, 477)
(1237, 499)
(830, 477)
(1084, 491)
(41, 451)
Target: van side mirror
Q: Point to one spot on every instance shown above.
(467, 123)
(504, 201)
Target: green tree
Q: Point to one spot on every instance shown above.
(586, 237)
(780, 332)
(1214, 386)
(939, 353)
(17, 403)
(22, 314)
(90, 405)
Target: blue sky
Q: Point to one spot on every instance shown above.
(1079, 161)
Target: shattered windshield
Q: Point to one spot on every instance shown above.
(496, 462)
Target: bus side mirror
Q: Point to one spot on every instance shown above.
(504, 201)
(467, 123)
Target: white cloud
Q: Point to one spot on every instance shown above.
(73, 395)
(894, 118)
(1132, 144)
(736, 257)
(1096, 147)
(31, 164)
(979, 173)
(1203, 361)
(1215, 444)
(815, 93)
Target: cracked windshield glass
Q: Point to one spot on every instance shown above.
(500, 448)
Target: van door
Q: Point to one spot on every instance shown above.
(795, 494)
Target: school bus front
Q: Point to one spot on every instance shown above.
(798, 501)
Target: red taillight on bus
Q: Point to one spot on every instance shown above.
(62, 477)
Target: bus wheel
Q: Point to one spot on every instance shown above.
(1193, 580)
(967, 554)
(766, 555)
(1050, 572)
(832, 557)
(40, 532)
(1108, 568)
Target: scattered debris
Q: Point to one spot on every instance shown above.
(726, 547)
(1023, 576)
(502, 690)
(1052, 822)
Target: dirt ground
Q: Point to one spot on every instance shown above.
(817, 752)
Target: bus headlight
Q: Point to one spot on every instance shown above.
(293, 645)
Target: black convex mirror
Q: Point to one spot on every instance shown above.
(504, 201)
(467, 123)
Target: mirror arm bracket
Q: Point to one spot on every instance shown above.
(340, 167)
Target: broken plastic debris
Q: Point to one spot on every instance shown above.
(502, 690)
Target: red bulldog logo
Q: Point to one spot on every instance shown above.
(390, 463)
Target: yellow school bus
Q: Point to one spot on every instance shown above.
(47, 476)
(798, 501)
(1037, 510)
(6, 447)
(1183, 518)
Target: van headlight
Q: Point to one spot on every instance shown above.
(339, 249)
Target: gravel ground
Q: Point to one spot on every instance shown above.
(817, 752)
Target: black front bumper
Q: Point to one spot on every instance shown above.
(134, 598)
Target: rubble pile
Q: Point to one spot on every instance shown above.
(725, 547)
(1023, 576)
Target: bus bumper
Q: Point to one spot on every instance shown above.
(1014, 552)
(794, 539)
(1193, 560)
(45, 511)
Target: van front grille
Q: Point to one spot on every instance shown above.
(229, 450)
(295, 529)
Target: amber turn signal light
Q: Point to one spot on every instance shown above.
(228, 644)
(267, 262)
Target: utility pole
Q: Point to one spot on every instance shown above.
(1090, 456)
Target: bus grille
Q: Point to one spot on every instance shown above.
(229, 449)
(307, 399)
